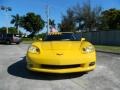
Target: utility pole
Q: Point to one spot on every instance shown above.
(47, 12)
(6, 9)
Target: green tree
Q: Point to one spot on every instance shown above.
(59, 26)
(90, 15)
(32, 23)
(3, 30)
(16, 21)
(68, 23)
(81, 17)
(11, 30)
(110, 19)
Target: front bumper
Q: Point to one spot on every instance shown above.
(62, 70)
(84, 62)
(88, 66)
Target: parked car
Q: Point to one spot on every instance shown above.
(10, 38)
(61, 53)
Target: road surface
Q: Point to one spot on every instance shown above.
(14, 76)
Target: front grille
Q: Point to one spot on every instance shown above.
(59, 66)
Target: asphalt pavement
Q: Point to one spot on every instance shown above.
(14, 75)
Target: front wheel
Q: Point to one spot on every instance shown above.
(17, 42)
(8, 42)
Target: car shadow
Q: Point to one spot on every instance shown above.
(19, 69)
(7, 44)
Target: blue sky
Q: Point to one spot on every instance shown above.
(57, 7)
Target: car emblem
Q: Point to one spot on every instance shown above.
(59, 54)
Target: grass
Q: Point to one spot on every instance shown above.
(27, 42)
(112, 49)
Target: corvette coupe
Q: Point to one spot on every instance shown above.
(61, 52)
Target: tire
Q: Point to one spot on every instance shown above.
(8, 42)
(18, 43)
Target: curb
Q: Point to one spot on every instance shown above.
(108, 52)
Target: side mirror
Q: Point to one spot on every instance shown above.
(82, 39)
(40, 39)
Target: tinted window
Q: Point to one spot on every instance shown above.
(9, 35)
(61, 37)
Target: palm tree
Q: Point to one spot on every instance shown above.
(16, 21)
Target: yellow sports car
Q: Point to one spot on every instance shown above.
(61, 53)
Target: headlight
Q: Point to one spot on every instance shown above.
(88, 49)
(34, 49)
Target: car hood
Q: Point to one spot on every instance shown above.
(60, 45)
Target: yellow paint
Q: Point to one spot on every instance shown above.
(61, 53)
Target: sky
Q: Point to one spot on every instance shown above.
(57, 8)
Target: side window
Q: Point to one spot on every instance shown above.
(10, 35)
(0, 35)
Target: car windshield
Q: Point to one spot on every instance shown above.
(9, 35)
(62, 37)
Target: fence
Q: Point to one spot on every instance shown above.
(103, 37)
